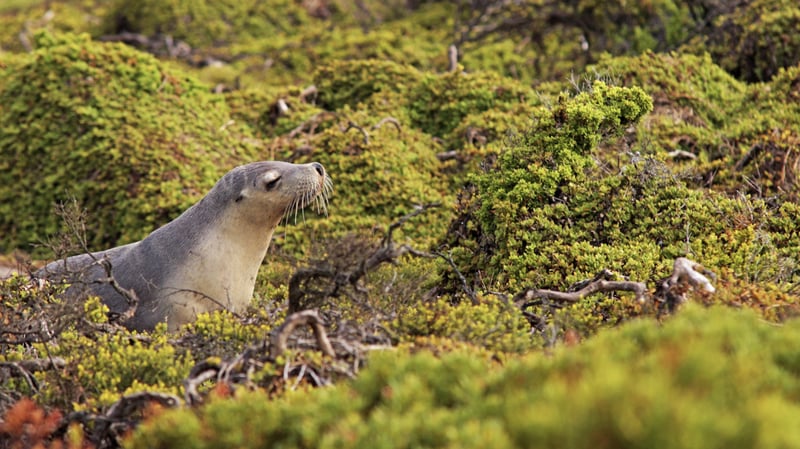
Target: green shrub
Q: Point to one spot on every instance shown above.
(738, 137)
(352, 82)
(546, 215)
(491, 324)
(100, 368)
(20, 20)
(520, 206)
(207, 23)
(754, 41)
(133, 142)
(439, 103)
(706, 378)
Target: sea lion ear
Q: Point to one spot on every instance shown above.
(270, 180)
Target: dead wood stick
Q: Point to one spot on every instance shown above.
(600, 285)
(684, 270)
(391, 120)
(307, 318)
(353, 125)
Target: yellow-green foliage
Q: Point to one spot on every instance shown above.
(531, 180)
(693, 88)
(18, 296)
(219, 333)
(132, 141)
(491, 324)
(436, 104)
(713, 378)
(102, 367)
(20, 20)
(352, 82)
(439, 104)
(375, 183)
(258, 109)
(381, 177)
(99, 366)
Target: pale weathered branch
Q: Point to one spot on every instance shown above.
(598, 286)
(452, 57)
(447, 155)
(304, 318)
(391, 120)
(681, 154)
(684, 270)
(310, 91)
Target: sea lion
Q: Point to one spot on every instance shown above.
(208, 257)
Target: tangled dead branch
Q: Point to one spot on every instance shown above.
(342, 359)
(310, 286)
(600, 284)
(240, 370)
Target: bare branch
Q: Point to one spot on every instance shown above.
(391, 120)
(447, 155)
(310, 91)
(333, 279)
(464, 284)
(598, 286)
(305, 318)
(129, 404)
(751, 154)
(452, 56)
(200, 373)
(684, 272)
(353, 125)
(283, 108)
(681, 154)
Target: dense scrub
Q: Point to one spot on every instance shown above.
(561, 145)
(708, 378)
(157, 140)
(752, 40)
(719, 132)
(544, 215)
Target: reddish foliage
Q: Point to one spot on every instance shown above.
(28, 425)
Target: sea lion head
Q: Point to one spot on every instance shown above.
(268, 191)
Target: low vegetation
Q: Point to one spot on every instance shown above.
(552, 224)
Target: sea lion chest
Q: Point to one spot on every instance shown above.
(218, 269)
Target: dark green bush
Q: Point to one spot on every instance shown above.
(756, 40)
(207, 23)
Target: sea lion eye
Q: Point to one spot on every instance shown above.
(271, 179)
(271, 184)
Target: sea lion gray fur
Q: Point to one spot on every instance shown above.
(205, 259)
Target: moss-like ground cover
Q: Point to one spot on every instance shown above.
(565, 140)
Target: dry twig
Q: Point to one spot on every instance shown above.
(306, 317)
(335, 279)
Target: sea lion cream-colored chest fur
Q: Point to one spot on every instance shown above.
(208, 257)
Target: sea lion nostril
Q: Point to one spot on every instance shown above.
(319, 168)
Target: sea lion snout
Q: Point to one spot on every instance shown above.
(312, 186)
